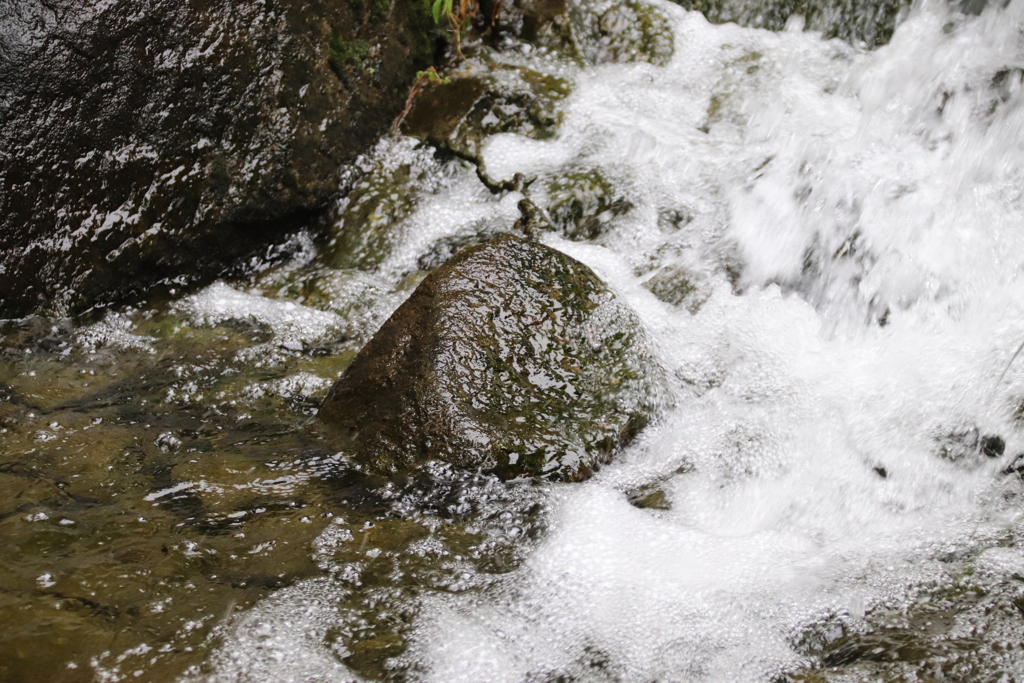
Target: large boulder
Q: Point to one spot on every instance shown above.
(510, 358)
(147, 140)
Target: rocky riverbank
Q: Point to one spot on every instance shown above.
(148, 141)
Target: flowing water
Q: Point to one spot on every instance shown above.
(826, 245)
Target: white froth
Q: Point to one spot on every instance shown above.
(292, 324)
(281, 640)
(115, 330)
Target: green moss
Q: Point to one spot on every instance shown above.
(347, 52)
(424, 32)
(220, 177)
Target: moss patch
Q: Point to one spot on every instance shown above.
(347, 53)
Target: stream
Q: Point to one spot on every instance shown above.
(825, 244)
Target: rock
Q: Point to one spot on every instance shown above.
(993, 446)
(146, 140)
(511, 358)
(370, 220)
(650, 498)
(630, 31)
(673, 285)
(459, 115)
(583, 203)
(1016, 466)
(544, 23)
(966, 443)
(960, 443)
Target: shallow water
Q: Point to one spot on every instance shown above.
(835, 237)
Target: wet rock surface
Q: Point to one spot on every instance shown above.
(460, 114)
(583, 204)
(629, 31)
(146, 141)
(511, 358)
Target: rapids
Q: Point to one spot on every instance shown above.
(872, 202)
(848, 226)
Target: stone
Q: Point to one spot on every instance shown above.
(584, 204)
(511, 358)
(461, 114)
(993, 446)
(672, 284)
(630, 31)
(143, 141)
(1016, 466)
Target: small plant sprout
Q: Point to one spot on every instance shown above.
(458, 17)
(423, 79)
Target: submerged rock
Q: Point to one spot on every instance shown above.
(512, 358)
(584, 203)
(472, 104)
(143, 140)
(673, 285)
(630, 31)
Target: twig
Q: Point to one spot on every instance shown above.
(1007, 368)
(423, 78)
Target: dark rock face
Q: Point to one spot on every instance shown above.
(512, 358)
(142, 140)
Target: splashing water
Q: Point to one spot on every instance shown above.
(852, 247)
(844, 232)
(874, 203)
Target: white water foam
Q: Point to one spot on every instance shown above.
(856, 243)
(292, 324)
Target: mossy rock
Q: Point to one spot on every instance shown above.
(346, 52)
(582, 204)
(461, 114)
(630, 31)
(672, 284)
(511, 358)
